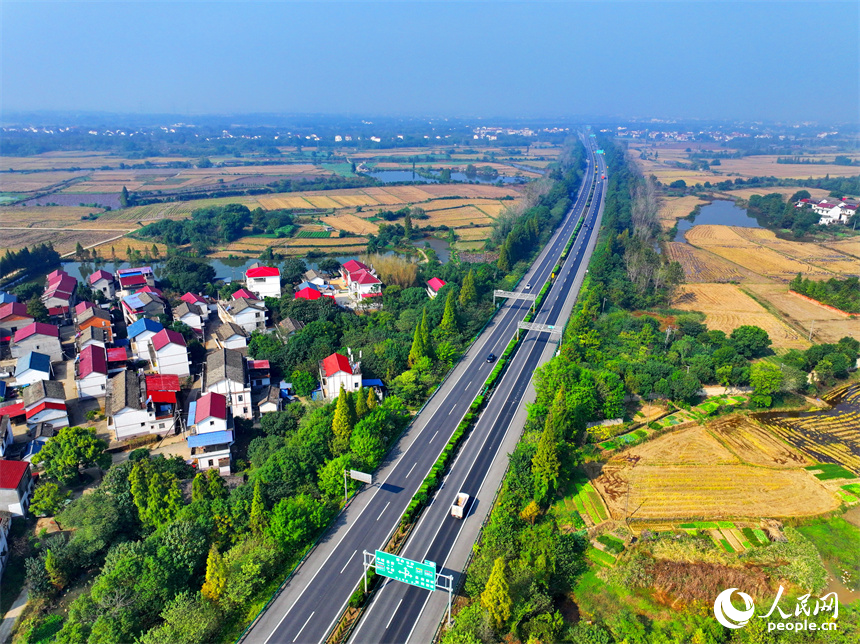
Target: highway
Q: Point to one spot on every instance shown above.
(311, 603)
(394, 613)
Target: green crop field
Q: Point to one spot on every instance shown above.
(600, 557)
(829, 471)
(315, 234)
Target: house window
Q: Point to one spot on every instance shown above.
(245, 410)
(103, 387)
(211, 422)
(160, 425)
(240, 398)
(143, 424)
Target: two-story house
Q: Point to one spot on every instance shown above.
(226, 373)
(13, 316)
(231, 336)
(103, 282)
(338, 371)
(194, 315)
(92, 372)
(248, 314)
(39, 337)
(140, 334)
(434, 285)
(263, 281)
(131, 279)
(211, 434)
(134, 411)
(45, 402)
(95, 316)
(170, 354)
(16, 487)
(59, 295)
(142, 305)
(91, 336)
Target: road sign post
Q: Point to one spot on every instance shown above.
(355, 475)
(424, 575)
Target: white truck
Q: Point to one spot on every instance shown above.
(459, 507)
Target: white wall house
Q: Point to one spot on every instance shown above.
(38, 337)
(231, 336)
(31, 368)
(130, 410)
(226, 373)
(194, 315)
(45, 402)
(170, 353)
(103, 282)
(338, 371)
(211, 433)
(92, 373)
(16, 487)
(263, 281)
(140, 334)
(248, 314)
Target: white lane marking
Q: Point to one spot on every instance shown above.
(410, 470)
(452, 409)
(383, 511)
(434, 436)
(303, 627)
(347, 562)
(469, 385)
(393, 614)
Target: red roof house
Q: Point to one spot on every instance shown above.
(193, 298)
(80, 307)
(165, 337)
(245, 294)
(354, 265)
(308, 293)
(100, 274)
(39, 328)
(334, 363)
(211, 405)
(93, 360)
(263, 271)
(162, 388)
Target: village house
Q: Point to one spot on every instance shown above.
(270, 401)
(131, 279)
(117, 359)
(231, 336)
(211, 433)
(59, 295)
(142, 305)
(5, 526)
(338, 371)
(95, 317)
(259, 373)
(13, 316)
(226, 373)
(311, 293)
(433, 287)
(315, 277)
(194, 315)
(45, 402)
(248, 314)
(244, 294)
(103, 282)
(6, 435)
(33, 367)
(39, 337)
(91, 336)
(140, 334)
(263, 281)
(92, 373)
(830, 211)
(133, 410)
(361, 280)
(16, 487)
(169, 353)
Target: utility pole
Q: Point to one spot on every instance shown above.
(603, 308)
(811, 326)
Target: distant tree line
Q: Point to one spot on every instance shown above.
(844, 294)
(41, 257)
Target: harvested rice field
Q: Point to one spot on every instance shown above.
(726, 308)
(700, 266)
(674, 208)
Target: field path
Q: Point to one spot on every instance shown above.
(98, 243)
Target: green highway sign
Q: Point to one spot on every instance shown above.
(408, 571)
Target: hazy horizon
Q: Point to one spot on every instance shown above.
(753, 61)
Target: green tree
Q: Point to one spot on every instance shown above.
(303, 383)
(766, 379)
(216, 575)
(546, 464)
(37, 310)
(496, 598)
(448, 325)
(447, 353)
(123, 197)
(156, 494)
(70, 450)
(257, 518)
(187, 618)
(360, 403)
(425, 336)
(341, 424)
(296, 520)
(750, 341)
(468, 293)
(418, 349)
(372, 401)
(48, 499)
(504, 261)
(407, 227)
(330, 476)
(55, 571)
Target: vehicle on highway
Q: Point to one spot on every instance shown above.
(528, 286)
(491, 357)
(458, 509)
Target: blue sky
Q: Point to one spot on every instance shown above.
(735, 60)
